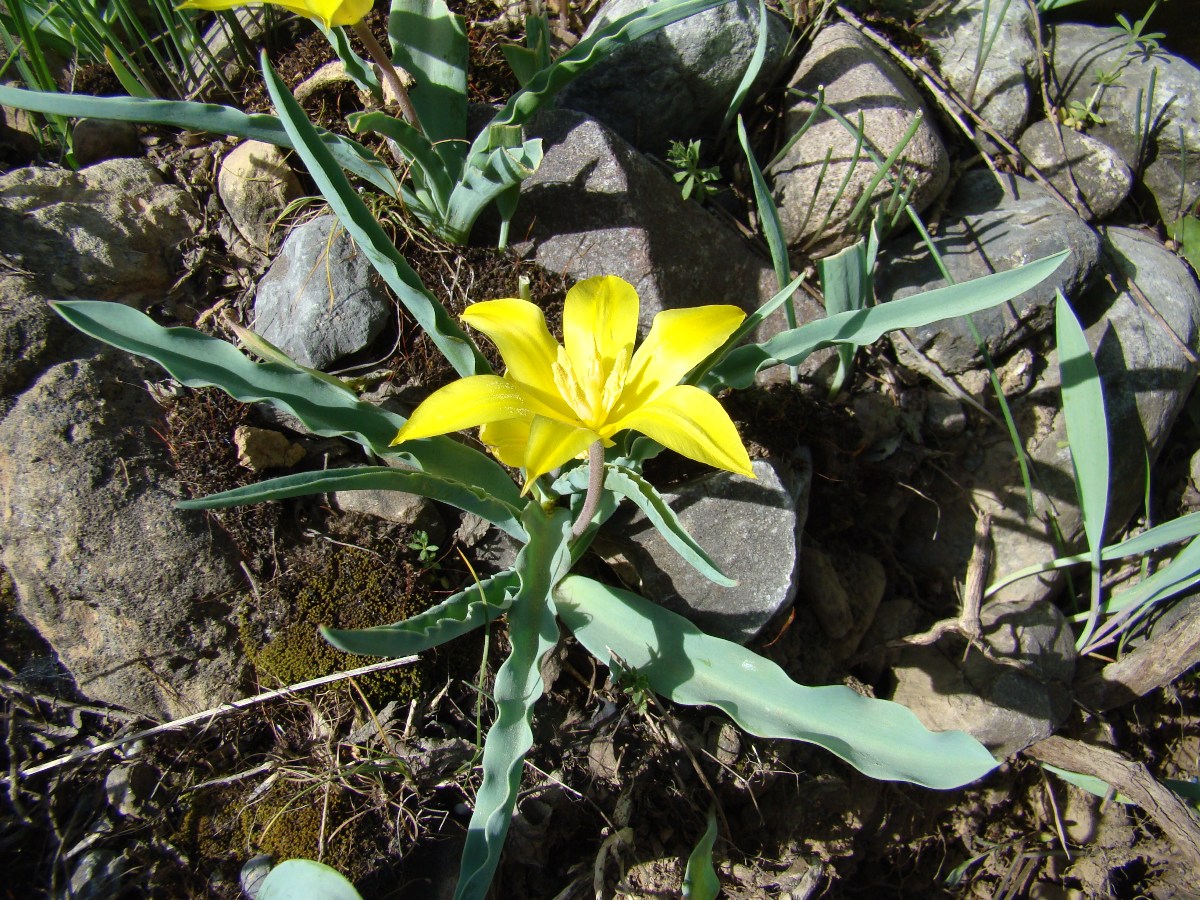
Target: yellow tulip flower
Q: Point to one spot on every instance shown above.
(556, 401)
(328, 12)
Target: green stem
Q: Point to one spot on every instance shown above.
(390, 75)
(595, 482)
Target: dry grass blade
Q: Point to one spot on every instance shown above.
(210, 714)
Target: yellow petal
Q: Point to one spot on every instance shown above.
(552, 443)
(507, 438)
(678, 340)
(465, 403)
(518, 329)
(600, 318)
(328, 12)
(693, 424)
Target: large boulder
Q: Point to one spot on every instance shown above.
(676, 83)
(856, 79)
(595, 206)
(135, 596)
(108, 232)
(1163, 156)
(991, 224)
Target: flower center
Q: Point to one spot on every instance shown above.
(591, 394)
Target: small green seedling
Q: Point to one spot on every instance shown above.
(696, 179)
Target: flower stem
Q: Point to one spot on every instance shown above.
(390, 75)
(595, 482)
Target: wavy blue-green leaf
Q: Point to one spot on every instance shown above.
(417, 148)
(879, 738)
(429, 42)
(629, 484)
(455, 616)
(197, 360)
(369, 235)
(306, 879)
(532, 632)
(700, 880)
(209, 117)
(699, 374)
(487, 177)
(372, 478)
(862, 327)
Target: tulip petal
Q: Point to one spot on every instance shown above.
(518, 329)
(507, 439)
(693, 424)
(552, 443)
(600, 318)
(328, 12)
(678, 340)
(465, 403)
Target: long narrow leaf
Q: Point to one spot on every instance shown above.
(1087, 424)
(369, 235)
(417, 148)
(753, 68)
(879, 738)
(768, 215)
(197, 360)
(629, 484)
(700, 880)
(1087, 434)
(461, 494)
(428, 42)
(865, 326)
(453, 617)
(1180, 529)
(488, 177)
(202, 117)
(532, 632)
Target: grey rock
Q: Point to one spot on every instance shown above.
(134, 595)
(493, 549)
(131, 789)
(1079, 50)
(255, 184)
(999, 90)
(676, 83)
(1146, 377)
(321, 299)
(844, 592)
(1006, 707)
(750, 529)
(990, 225)
(254, 871)
(107, 232)
(394, 506)
(95, 140)
(1102, 178)
(856, 77)
(97, 875)
(596, 206)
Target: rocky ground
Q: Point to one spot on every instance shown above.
(122, 611)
